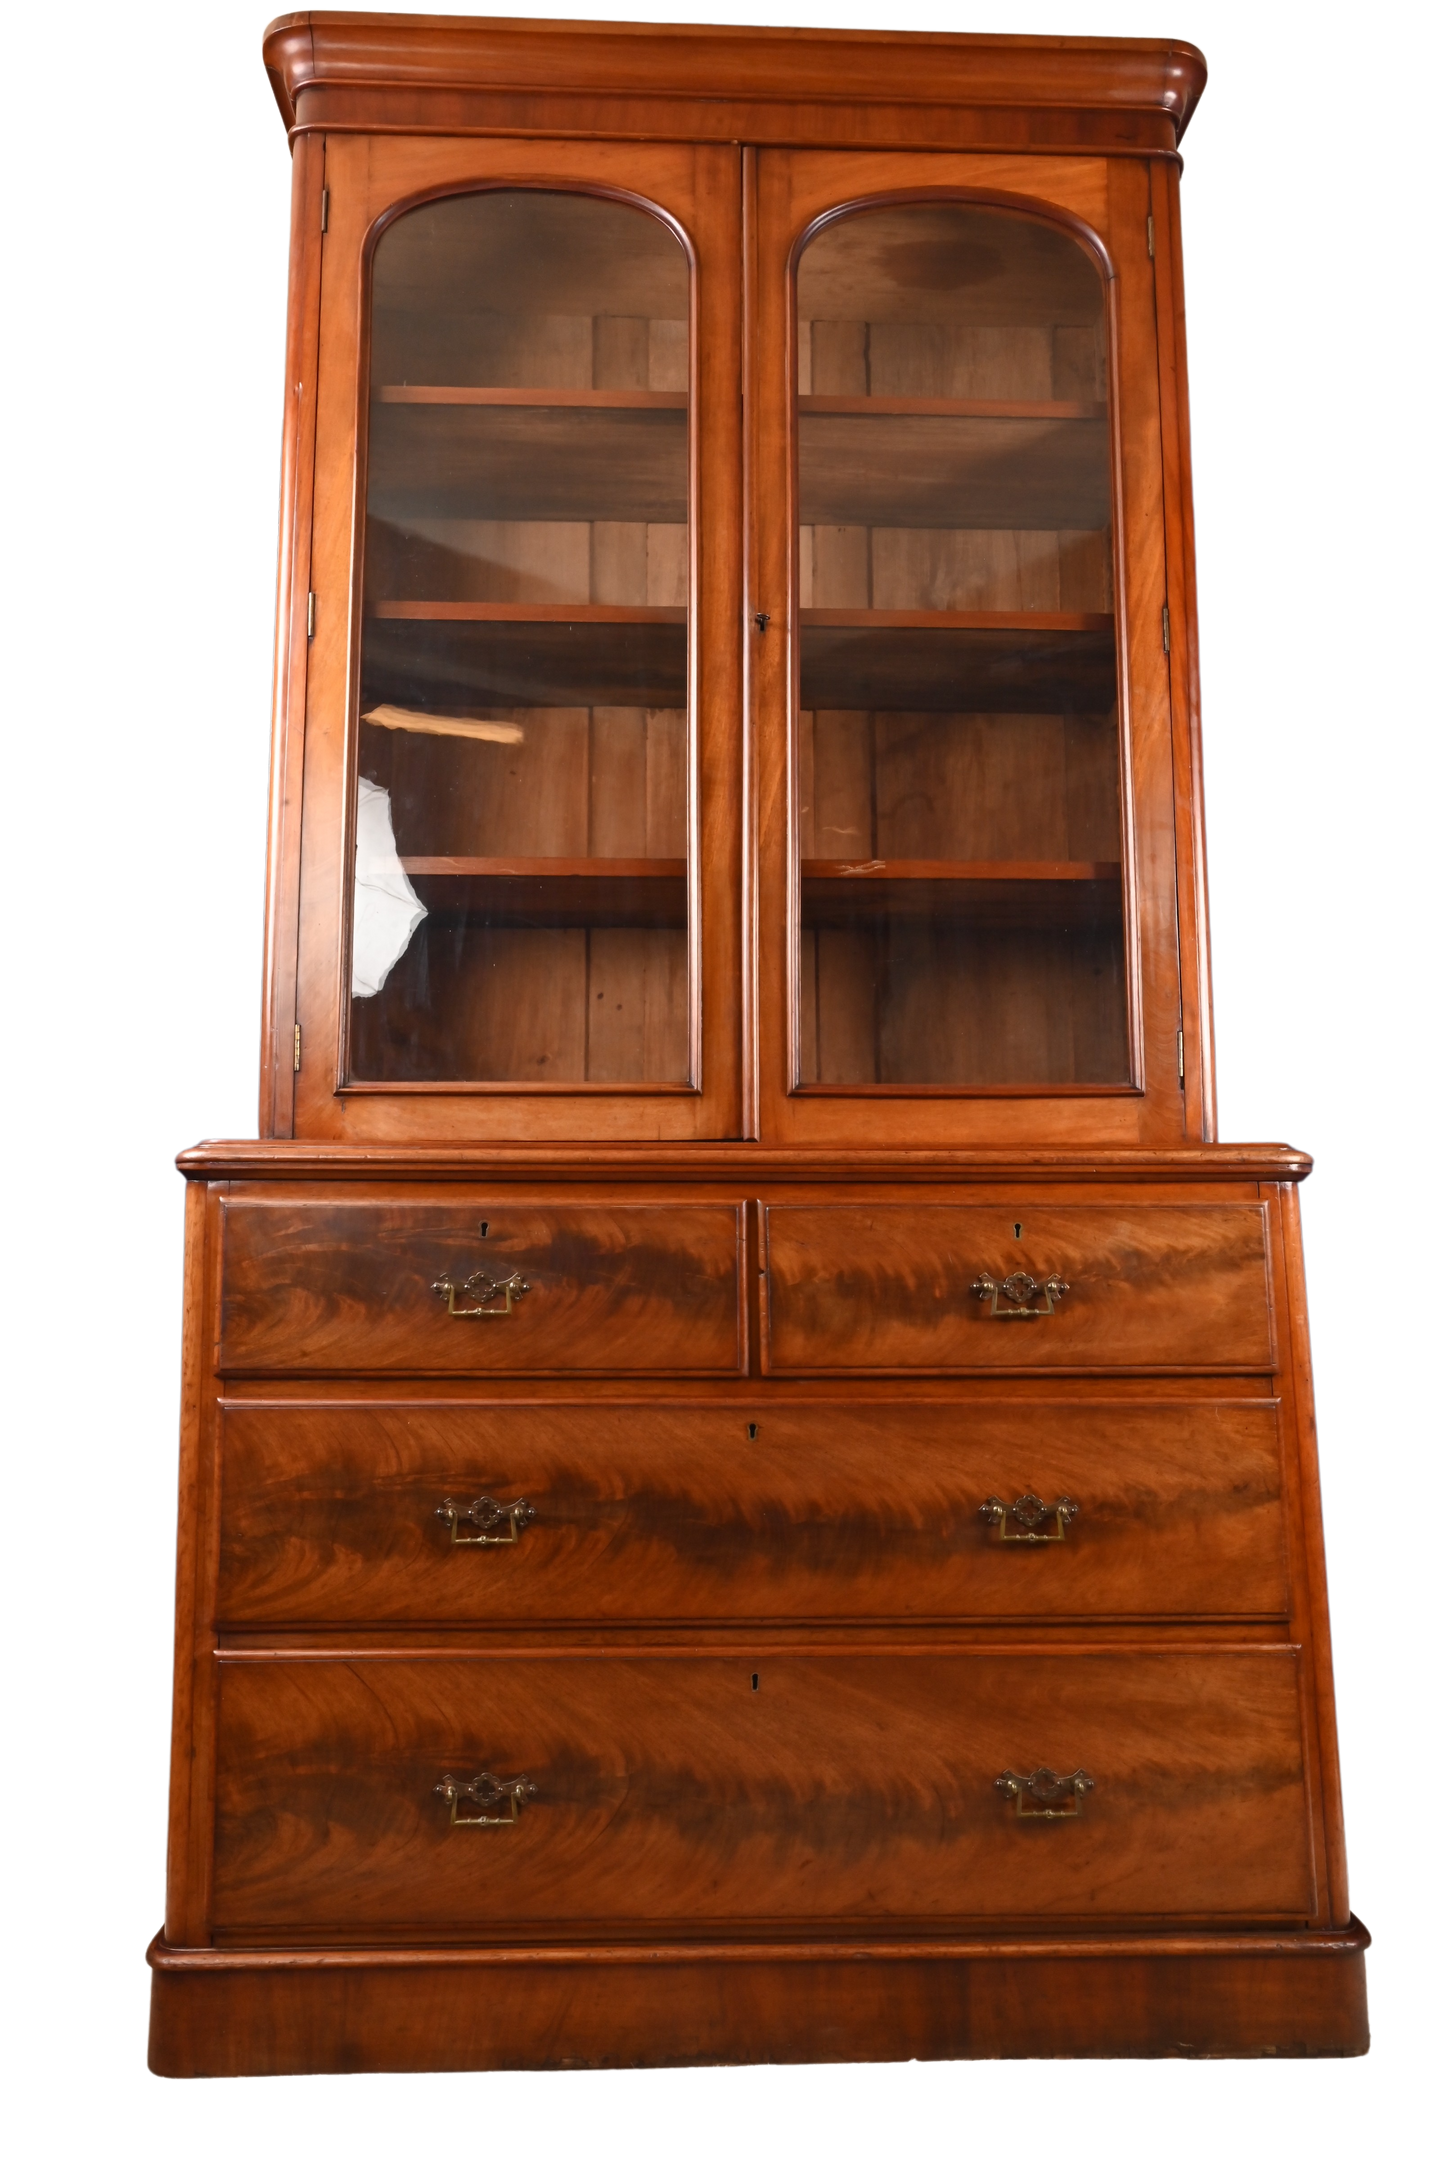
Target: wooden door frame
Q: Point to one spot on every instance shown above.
(697, 192)
(1104, 202)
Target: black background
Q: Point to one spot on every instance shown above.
(1294, 781)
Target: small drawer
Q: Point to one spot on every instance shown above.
(508, 1514)
(1146, 1287)
(463, 1286)
(792, 1787)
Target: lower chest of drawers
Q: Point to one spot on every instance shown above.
(601, 1567)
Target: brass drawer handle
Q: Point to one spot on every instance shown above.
(490, 1517)
(1020, 1291)
(1024, 1521)
(482, 1288)
(1045, 1795)
(489, 1795)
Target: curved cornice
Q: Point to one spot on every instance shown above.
(358, 61)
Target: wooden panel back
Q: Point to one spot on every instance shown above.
(702, 1790)
(893, 1287)
(313, 1285)
(330, 1512)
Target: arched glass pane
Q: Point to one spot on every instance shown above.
(959, 799)
(521, 869)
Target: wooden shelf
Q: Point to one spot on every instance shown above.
(950, 408)
(564, 461)
(592, 865)
(552, 893)
(576, 400)
(917, 470)
(1028, 894)
(436, 654)
(1020, 872)
(484, 610)
(992, 620)
(858, 660)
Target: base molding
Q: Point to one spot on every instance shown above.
(427, 2010)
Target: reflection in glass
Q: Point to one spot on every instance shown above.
(521, 867)
(959, 799)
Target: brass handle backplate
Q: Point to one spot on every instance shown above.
(1045, 1795)
(1019, 1291)
(1024, 1521)
(496, 1523)
(496, 1803)
(482, 1288)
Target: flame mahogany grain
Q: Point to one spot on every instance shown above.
(662, 1513)
(345, 1287)
(852, 1788)
(892, 1287)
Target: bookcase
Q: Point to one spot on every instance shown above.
(748, 1473)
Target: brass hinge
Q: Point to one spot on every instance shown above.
(1149, 236)
(1164, 628)
(296, 1065)
(1179, 1051)
(325, 211)
(310, 619)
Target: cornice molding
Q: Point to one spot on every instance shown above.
(441, 55)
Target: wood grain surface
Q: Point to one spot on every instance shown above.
(445, 73)
(317, 1286)
(1248, 1996)
(705, 1513)
(892, 1287)
(694, 1790)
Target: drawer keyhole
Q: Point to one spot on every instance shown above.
(754, 1681)
(752, 1432)
(485, 1228)
(1017, 1231)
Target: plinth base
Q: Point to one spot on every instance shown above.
(389, 2011)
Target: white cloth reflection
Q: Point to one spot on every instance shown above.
(387, 912)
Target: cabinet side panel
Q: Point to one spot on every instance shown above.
(297, 463)
(1193, 904)
(188, 1866)
(1312, 1599)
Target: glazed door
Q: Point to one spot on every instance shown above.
(519, 892)
(966, 928)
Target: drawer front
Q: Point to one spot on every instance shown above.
(338, 1286)
(621, 1512)
(894, 1288)
(753, 1787)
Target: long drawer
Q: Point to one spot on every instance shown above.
(670, 1789)
(458, 1285)
(338, 1514)
(1021, 1287)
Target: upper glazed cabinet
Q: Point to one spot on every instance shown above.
(735, 631)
